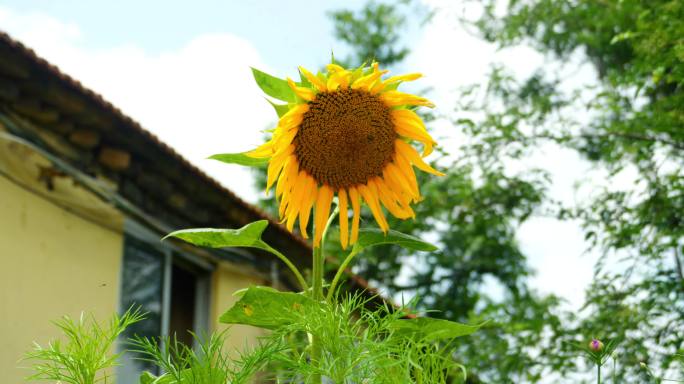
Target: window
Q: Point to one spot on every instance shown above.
(171, 286)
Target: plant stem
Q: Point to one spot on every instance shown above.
(317, 291)
(338, 275)
(289, 264)
(319, 259)
(598, 369)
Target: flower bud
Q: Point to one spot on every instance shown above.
(596, 345)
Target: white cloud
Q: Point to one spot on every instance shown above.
(201, 99)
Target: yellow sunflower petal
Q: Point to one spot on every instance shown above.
(405, 171)
(276, 165)
(367, 81)
(397, 182)
(321, 213)
(264, 150)
(356, 207)
(389, 200)
(290, 177)
(405, 77)
(320, 85)
(372, 201)
(282, 180)
(307, 203)
(286, 138)
(298, 109)
(339, 79)
(298, 193)
(344, 219)
(412, 156)
(410, 130)
(396, 98)
(332, 68)
(304, 93)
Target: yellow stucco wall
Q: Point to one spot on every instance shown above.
(226, 280)
(52, 263)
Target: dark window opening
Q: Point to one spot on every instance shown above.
(172, 288)
(183, 304)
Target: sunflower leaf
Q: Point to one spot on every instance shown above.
(247, 236)
(372, 236)
(280, 109)
(430, 329)
(267, 308)
(240, 158)
(273, 86)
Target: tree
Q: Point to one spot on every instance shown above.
(632, 121)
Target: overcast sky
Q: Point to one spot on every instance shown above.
(181, 69)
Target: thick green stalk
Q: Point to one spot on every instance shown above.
(317, 288)
(598, 369)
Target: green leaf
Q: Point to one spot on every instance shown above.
(247, 236)
(280, 109)
(240, 158)
(372, 236)
(148, 378)
(273, 86)
(429, 329)
(267, 308)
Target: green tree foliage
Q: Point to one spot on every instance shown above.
(373, 33)
(630, 122)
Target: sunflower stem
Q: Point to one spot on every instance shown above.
(317, 291)
(289, 264)
(319, 261)
(338, 275)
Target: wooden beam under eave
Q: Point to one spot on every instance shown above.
(114, 159)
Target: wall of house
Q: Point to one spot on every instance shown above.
(52, 263)
(227, 280)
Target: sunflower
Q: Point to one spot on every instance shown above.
(348, 135)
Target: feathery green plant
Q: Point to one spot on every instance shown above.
(208, 363)
(85, 354)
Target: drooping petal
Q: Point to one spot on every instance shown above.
(276, 165)
(282, 180)
(291, 176)
(356, 207)
(406, 172)
(389, 200)
(412, 156)
(396, 182)
(298, 192)
(344, 223)
(374, 205)
(307, 204)
(412, 131)
(321, 213)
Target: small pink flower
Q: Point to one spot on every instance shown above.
(596, 345)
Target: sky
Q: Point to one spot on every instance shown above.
(181, 69)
